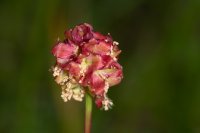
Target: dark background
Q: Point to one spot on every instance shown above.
(160, 40)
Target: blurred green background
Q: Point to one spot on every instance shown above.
(160, 39)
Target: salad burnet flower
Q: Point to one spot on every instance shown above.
(87, 62)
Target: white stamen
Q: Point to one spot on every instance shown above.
(107, 103)
(56, 71)
(70, 87)
(78, 94)
(115, 43)
(67, 94)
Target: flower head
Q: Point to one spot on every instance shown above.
(87, 62)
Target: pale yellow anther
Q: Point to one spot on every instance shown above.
(107, 104)
(70, 88)
(115, 43)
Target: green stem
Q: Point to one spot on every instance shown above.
(88, 113)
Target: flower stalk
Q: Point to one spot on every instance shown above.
(88, 113)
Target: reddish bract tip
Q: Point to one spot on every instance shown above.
(98, 102)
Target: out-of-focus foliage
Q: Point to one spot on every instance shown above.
(160, 39)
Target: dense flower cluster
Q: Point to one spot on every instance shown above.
(86, 62)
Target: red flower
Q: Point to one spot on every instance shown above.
(80, 33)
(63, 51)
(87, 59)
(97, 47)
(99, 36)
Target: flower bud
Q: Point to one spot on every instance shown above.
(80, 33)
